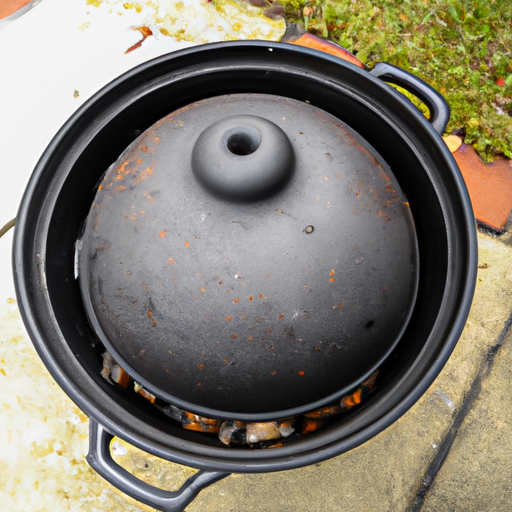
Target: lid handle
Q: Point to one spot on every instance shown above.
(243, 158)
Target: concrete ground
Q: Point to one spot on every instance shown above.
(450, 452)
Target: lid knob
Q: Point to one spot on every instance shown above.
(243, 158)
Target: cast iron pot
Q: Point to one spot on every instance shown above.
(62, 188)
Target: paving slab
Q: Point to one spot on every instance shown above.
(477, 474)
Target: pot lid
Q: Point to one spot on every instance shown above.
(249, 256)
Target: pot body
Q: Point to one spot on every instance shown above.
(62, 188)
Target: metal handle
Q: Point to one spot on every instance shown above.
(438, 106)
(101, 461)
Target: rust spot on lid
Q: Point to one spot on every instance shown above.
(250, 297)
(122, 168)
(200, 366)
(162, 233)
(171, 260)
(301, 373)
(229, 318)
(187, 244)
(235, 336)
(236, 301)
(144, 148)
(341, 305)
(280, 317)
(149, 196)
(150, 316)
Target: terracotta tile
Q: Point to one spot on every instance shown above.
(8, 7)
(489, 186)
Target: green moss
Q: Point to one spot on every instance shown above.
(463, 48)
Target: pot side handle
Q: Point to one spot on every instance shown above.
(437, 105)
(101, 461)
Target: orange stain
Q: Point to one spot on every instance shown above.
(229, 318)
(236, 301)
(187, 244)
(162, 233)
(172, 261)
(150, 316)
(149, 196)
(301, 373)
(203, 290)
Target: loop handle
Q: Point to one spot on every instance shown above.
(100, 459)
(438, 106)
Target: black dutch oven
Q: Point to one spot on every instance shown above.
(280, 224)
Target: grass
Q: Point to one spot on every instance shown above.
(463, 48)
